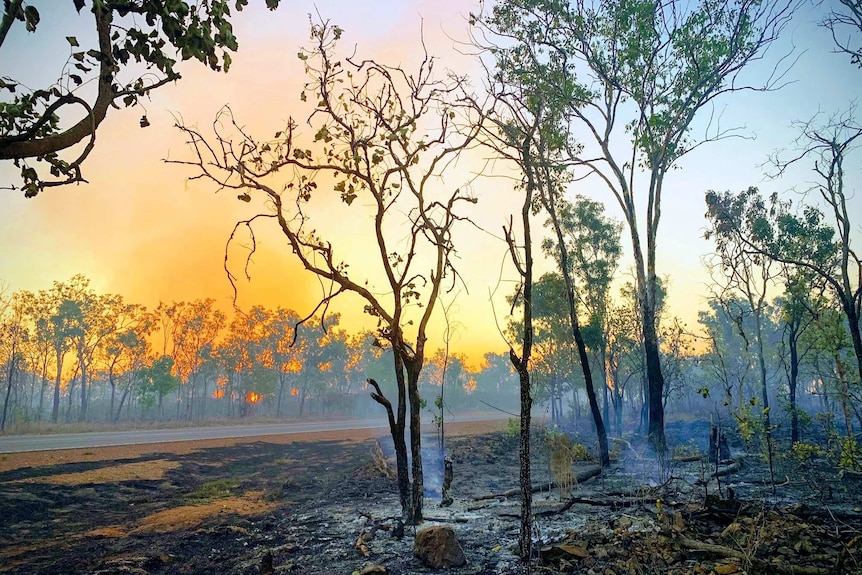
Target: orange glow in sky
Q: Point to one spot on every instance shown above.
(139, 228)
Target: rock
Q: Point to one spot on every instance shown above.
(437, 547)
(372, 569)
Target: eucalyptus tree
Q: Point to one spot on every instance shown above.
(594, 250)
(624, 353)
(125, 346)
(799, 307)
(65, 323)
(194, 329)
(94, 325)
(380, 139)
(239, 353)
(127, 355)
(555, 348)
(157, 382)
(822, 243)
(524, 131)
(726, 358)
(282, 350)
(829, 344)
(646, 69)
(40, 346)
(14, 334)
(737, 271)
(133, 50)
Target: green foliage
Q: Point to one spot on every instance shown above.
(805, 453)
(513, 427)
(132, 36)
(847, 453)
(213, 490)
(157, 380)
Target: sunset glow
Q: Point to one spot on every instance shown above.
(140, 228)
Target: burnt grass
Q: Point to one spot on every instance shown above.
(639, 517)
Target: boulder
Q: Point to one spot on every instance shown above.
(438, 548)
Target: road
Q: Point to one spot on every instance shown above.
(21, 443)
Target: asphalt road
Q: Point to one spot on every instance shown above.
(20, 443)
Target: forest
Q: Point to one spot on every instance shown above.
(607, 96)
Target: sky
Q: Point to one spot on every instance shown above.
(141, 229)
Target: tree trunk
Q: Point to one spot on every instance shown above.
(399, 441)
(413, 368)
(55, 410)
(576, 331)
(655, 383)
(853, 319)
(280, 394)
(793, 383)
(10, 374)
(845, 393)
(525, 540)
(81, 362)
(764, 389)
(120, 408)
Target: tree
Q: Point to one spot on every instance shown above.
(649, 69)
(194, 329)
(384, 137)
(126, 346)
(64, 324)
(846, 20)
(128, 34)
(624, 356)
(739, 272)
(158, 381)
(93, 324)
(13, 335)
(240, 352)
(805, 240)
(800, 307)
(281, 351)
(588, 243)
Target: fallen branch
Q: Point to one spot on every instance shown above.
(687, 458)
(579, 477)
(760, 564)
(612, 503)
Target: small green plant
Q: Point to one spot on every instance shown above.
(686, 450)
(805, 453)
(513, 427)
(212, 490)
(849, 454)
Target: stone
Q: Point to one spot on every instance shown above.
(438, 548)
(372, 569)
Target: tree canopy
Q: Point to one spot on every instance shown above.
(135, 49)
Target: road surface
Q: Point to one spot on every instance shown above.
(21, 443)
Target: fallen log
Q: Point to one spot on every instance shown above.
(724, 470)
(759, 564)
(579, 477)
(687, 458)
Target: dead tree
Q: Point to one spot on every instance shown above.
(384, 137)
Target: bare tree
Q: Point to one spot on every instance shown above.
(845, 23)
(382, 139)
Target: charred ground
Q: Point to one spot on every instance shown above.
(300, 507)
